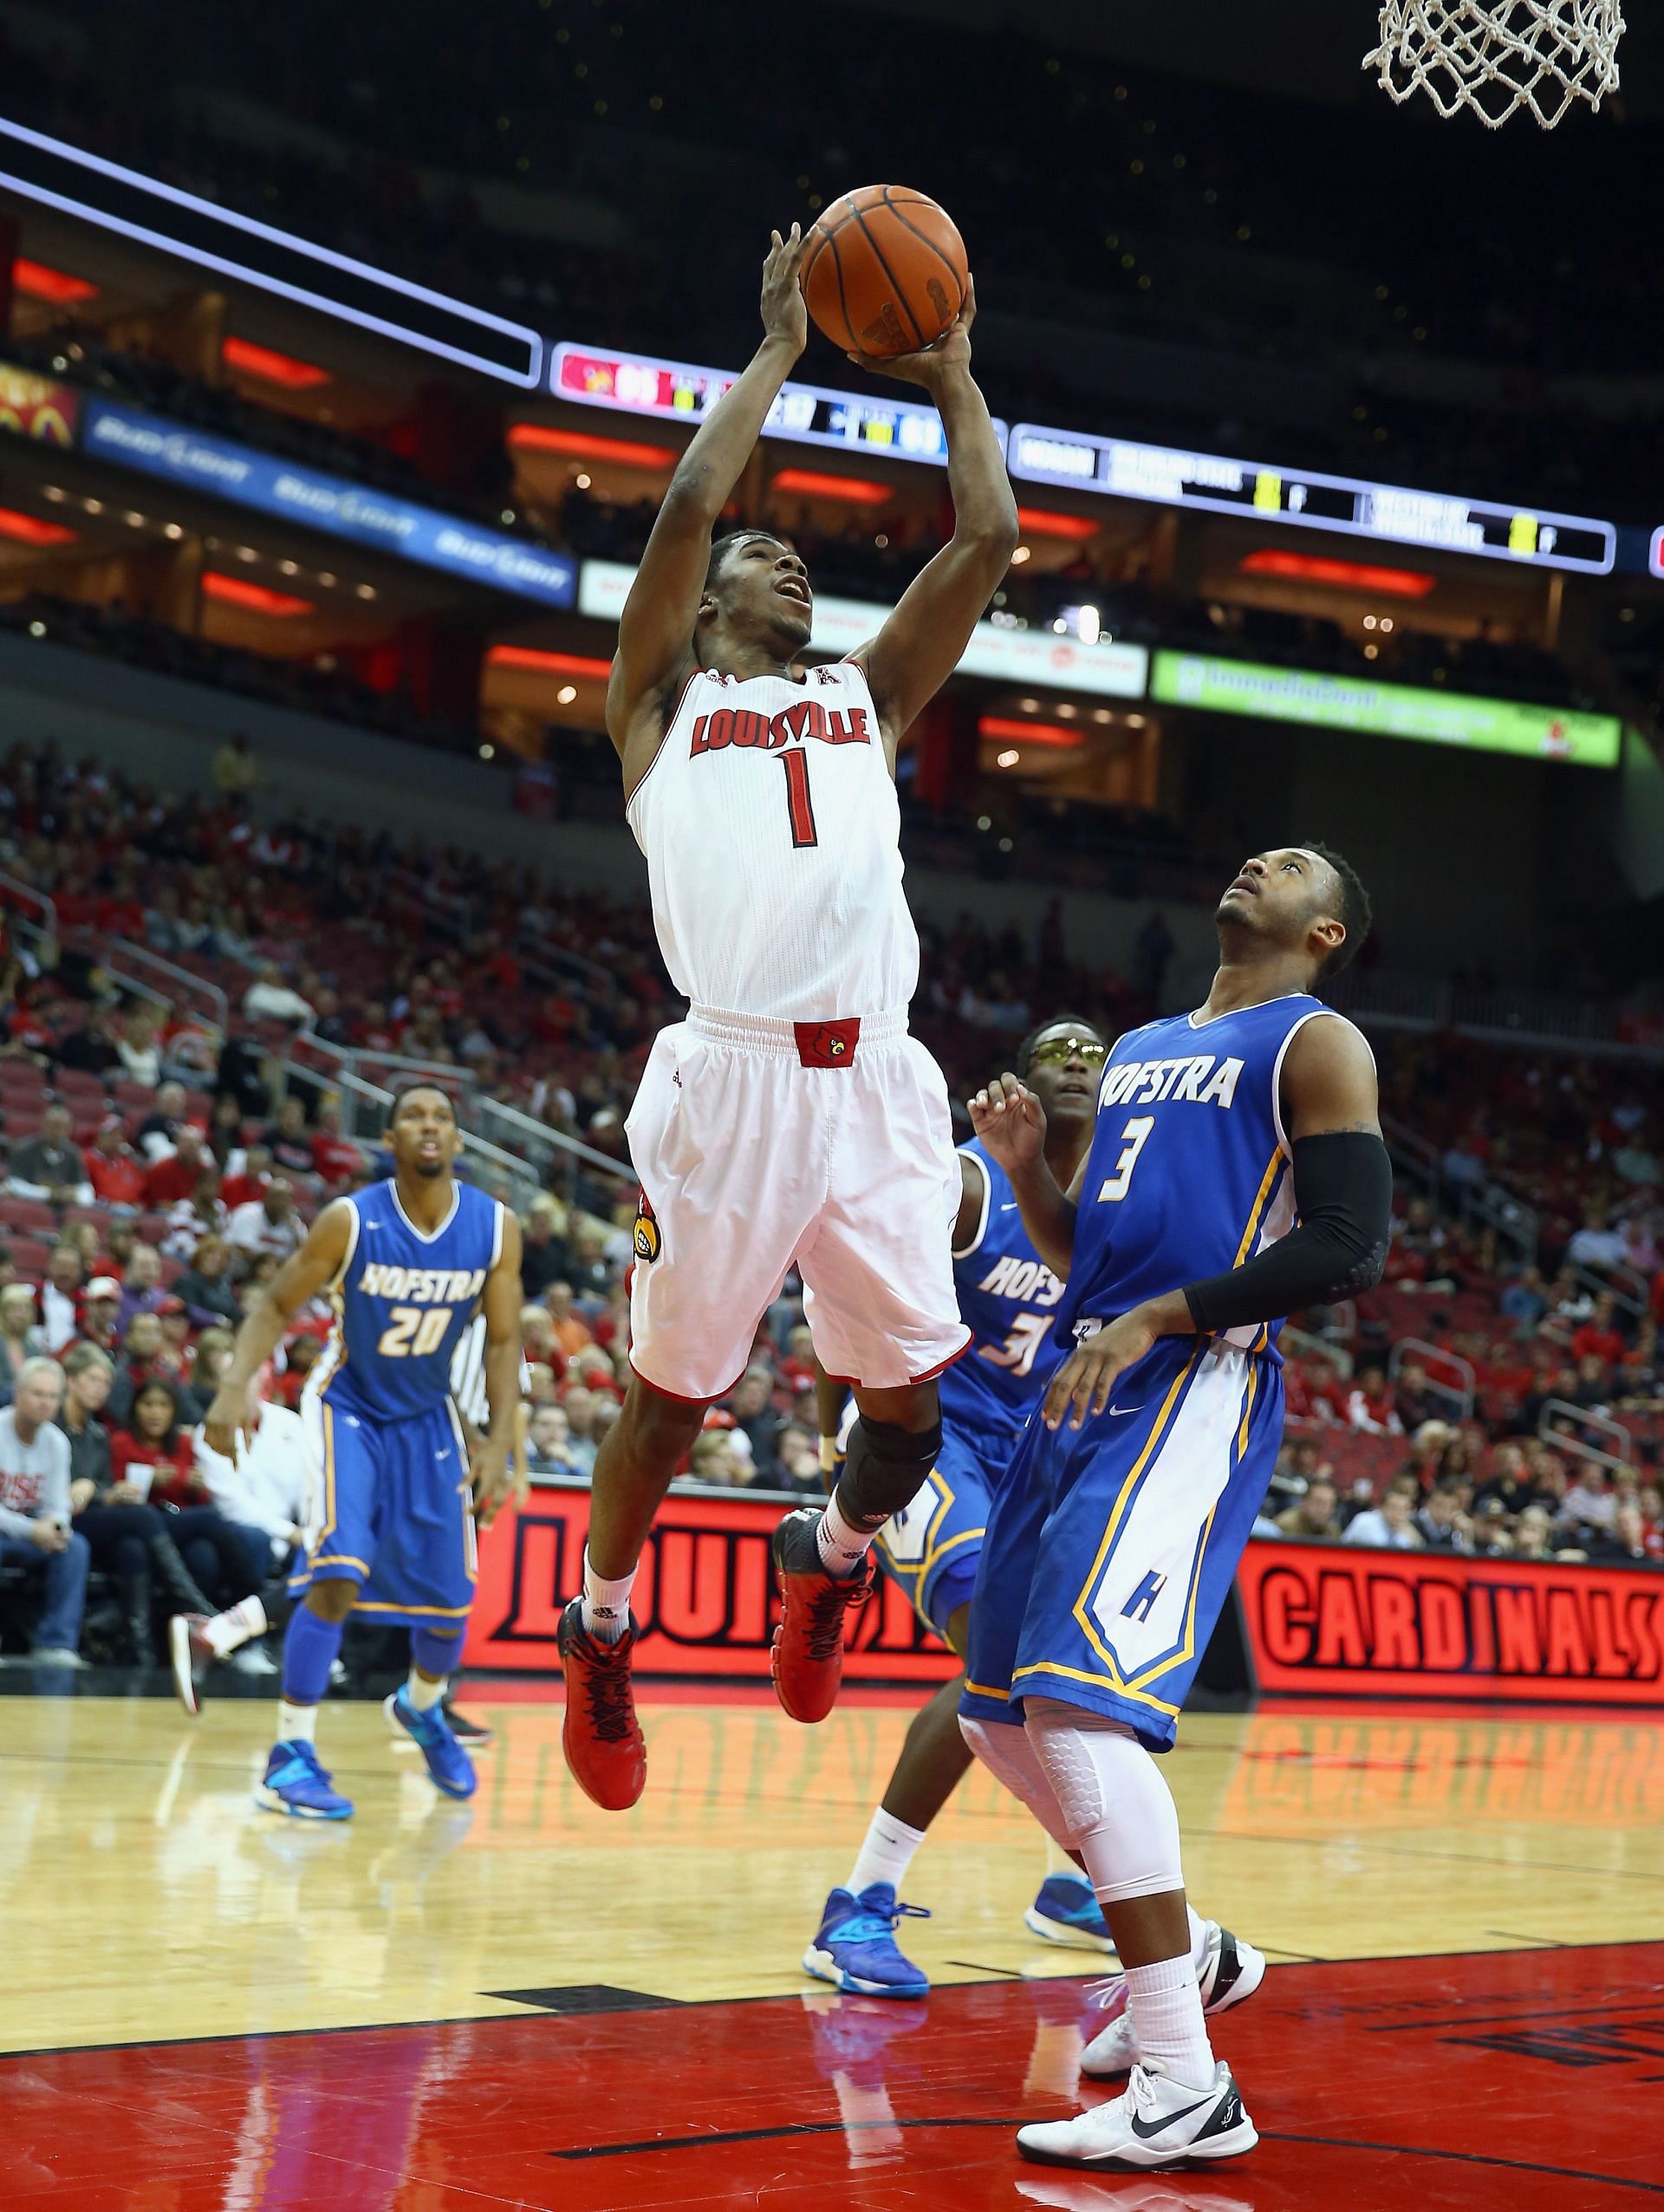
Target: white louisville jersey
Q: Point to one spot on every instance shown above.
(772, 831)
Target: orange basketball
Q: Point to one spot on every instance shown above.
(885, 272)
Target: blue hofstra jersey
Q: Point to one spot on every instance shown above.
(1010, 1300)
(403, 1300)
(1189, 1173)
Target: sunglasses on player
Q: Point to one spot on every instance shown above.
(1056, 1051)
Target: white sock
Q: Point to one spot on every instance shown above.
(886, 1854)
(842, 1546)
(295, 1722)
(606, 1604)
(1166, 2009)
(238, 1626)
(423, 1694)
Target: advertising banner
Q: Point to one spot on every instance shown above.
(1220, 686)
(272, 485)
(37, 406)
(1039, 658)
(1327, 1620)
(704, 1598)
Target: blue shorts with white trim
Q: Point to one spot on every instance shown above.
(931, 1546)
(389, 1507)
(1110, 1549)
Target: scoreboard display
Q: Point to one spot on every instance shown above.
(1119, 468)
(810, 415)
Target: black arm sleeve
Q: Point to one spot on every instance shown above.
(1343, 1188)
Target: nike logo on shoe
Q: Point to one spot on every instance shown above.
(1168, 2119)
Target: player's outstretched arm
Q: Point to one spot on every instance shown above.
(500, 1303)
(655, 633)
(301, 1278)
(1343, 1201)
(1012, 1122)
(922, 643)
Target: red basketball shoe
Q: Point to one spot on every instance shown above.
(807, 1660)
(601, 1735)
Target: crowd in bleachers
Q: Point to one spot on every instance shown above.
(155, 1174)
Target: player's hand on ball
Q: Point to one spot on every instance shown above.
(784, 315)
(951, 350)
(488, 1470)
(1011, 1121)
(1085, 1382)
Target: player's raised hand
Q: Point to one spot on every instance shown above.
(784, 315)
(951, 350)
(1011, 1121)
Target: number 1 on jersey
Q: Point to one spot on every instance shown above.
(795, 765)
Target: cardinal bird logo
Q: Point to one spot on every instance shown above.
(646, 1235)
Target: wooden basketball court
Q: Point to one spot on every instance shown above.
(525, 2001)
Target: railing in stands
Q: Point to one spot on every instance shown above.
(34, 910)
(548, 1148)
(1625, 1287)
(456, 1081)
(1461, 1394)
(1542, 1020)
(543, 959)
(1569, 1440)
(152, 977)
(1489, 1203)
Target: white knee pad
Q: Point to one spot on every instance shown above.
(1117, 1811)
(1009, 1758)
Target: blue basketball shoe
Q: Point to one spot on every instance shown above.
(1065, 1911)
(854, 1947)
(447, 1762)
(296, 1783)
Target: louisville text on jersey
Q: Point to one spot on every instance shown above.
(795, 725)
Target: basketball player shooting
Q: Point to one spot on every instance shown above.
(1237, 1175)
(792, 1120)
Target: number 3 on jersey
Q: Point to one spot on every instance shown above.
(798, 806)
(1134, 1137)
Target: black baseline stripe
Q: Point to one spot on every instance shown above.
(773, 2135)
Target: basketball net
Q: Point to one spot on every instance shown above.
(1496, 57)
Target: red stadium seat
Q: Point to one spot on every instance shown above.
(29, 1257)
(135, 1095)
(31, 1216)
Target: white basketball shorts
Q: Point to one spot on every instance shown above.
(764, 1144)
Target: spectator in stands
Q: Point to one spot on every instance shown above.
(113, 1170)
(205, 1285)
(300, 1356)
(158, 1133)
(1624, 1545)
(138, 1361)
(267, 1224)
(1413, 1402)
(755, 1416)
(22, 1338)
(213, 1349)
(99, 1312)
(1599, 1336)
(713, 1459)
(1390, 1525)
(1313, 1516)
(236, 771)
(249, 1182)
(140, 1047)
(35, 1511)
(1523, 1300)
(141, 1285)
(541, 1388)
(223, 1557)
(592, 1272)
(1511, 1486)
(1598, 1244)
(202, 1215)
(173, 1176)
(269, 998)
(263, 1488)
(544, 1258)
(1369, 1404)
(1589, 1507)
(289, 1139)
(48, 1167)
(548, 1443)
(336, 1159)
(579, 1406)
(1534, 1536)
(1443, 1525)
(225, 1134)
(91, 1050)
(127, 1537)
(61, 1297)
(571, 1331)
